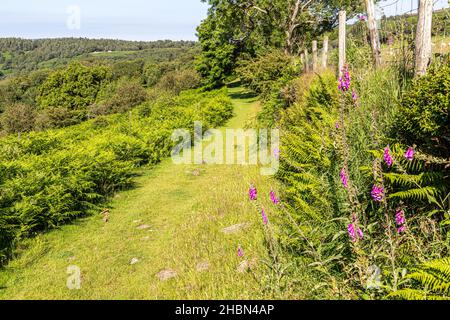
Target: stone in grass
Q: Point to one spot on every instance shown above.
(165, 275)
(202, 266)
(134, 261)
(235, 228)
(143, 227)
(246, 265)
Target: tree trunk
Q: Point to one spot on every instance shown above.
(374, 36)
(291, 28)
(423, 37)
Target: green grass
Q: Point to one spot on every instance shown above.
(186, 207)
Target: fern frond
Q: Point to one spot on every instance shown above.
(426, 193)
(433, 277)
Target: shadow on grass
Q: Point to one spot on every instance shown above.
(244, 95)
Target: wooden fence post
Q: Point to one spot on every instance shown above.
(423, 37)
(325, 52)
(314, 54)
(342, 39)
(302, 60)
(306, 60)
(373, 30)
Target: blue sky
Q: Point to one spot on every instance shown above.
(116, 19)
(122, 19)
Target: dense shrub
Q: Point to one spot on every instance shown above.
(424, 117)
(18, 118)
(22, 89)
(261, 74)
(74, 88)
(177, 81)
(58, 117)
(128, 93)
(153, 72)
(127, 69)
(50, 178)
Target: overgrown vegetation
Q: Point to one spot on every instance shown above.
(366, 187)
(50, 178)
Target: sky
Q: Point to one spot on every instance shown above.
(115, 19)
(396, 7)
(122, 19)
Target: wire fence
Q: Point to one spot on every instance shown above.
(397, 34)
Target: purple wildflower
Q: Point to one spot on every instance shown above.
(351, 232)
(387, 157)
(337, 125)
(400, 217)
(360, 234)
(362, 17)
(252, 193)
(240, 252)
(276, 153)
(344, 80)
(401, 229)
(344, 179)
(377, 193)
(264, 216)
(409, 155)
(354, 96)
(273, 198)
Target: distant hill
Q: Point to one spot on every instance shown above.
(23, 55)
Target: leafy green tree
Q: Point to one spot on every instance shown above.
(74, 88)
(130, 69)
(251, 27)
(127, 93)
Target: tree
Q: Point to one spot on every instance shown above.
(74, 88)
(236, 28)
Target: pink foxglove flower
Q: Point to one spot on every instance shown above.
(377, 193)
(337, 125)
(273, 198)
(240, 252)
(360, 234)
(351, 232)
(344, 179)
(264, 216)
(401, 229)
(400, 217)
(387, 157)
(409, 155)
(344, 80)
(252, 193)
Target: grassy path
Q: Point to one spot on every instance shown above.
(172, 221)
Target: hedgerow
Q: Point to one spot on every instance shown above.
(365, 181)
